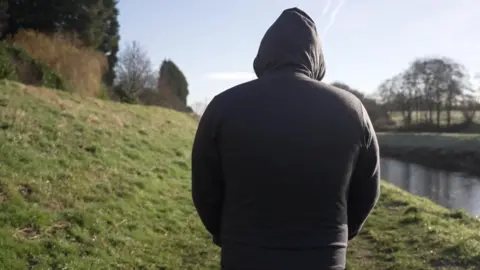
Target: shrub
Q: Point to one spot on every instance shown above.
(82, 67)
(104, 93)
(16, 64)
(121, 95)
(172, 76)
(7, 69)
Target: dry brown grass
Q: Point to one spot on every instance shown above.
(80, 66)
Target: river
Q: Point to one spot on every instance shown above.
(451, 190)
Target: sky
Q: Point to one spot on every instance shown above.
(365, 42)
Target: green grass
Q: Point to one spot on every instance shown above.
(408, 232)
(451, 141)
(90, 184)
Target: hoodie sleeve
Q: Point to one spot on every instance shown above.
(207, 182)
(364, 189)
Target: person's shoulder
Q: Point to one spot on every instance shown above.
(224, 102)
(236, 90)
(340, 92)
(335, 93)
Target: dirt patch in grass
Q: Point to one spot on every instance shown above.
(25, 190)
(3, 196)
(29, 232)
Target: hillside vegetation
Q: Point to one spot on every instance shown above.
(87, 184)
(91, 184)
(17, 64)
(80, 66)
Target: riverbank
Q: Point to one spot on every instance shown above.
(90, 184)
(409, 232)
(451, 152)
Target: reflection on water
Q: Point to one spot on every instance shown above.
(451, 190)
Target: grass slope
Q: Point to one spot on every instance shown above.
(88, 184)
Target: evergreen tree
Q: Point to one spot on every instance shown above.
(3, 17)
(111, 39)
(31, 14)
(175, 78)
(96, 21)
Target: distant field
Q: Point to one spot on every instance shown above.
(443, 151)
(457, 117)
(452, 141)
(89, 184)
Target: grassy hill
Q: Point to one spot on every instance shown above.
(89, 184)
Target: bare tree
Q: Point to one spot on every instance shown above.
(440, 79)
(395, 96)
(470, 101)
(430, 86)
(469, 107)
(134, 70)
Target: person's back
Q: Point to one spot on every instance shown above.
(285, 168)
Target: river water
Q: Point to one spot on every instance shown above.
(451, 190)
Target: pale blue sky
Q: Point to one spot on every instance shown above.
(214, 41)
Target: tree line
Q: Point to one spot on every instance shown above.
(95, 23)
(433, 93)
(431, 90)
(138, 81)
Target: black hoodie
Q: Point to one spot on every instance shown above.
(286, 161)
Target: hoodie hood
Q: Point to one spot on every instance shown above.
(291, 43)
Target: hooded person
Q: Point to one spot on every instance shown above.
(285, 168)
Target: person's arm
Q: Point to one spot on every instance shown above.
(207, 182)
(364, 189)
